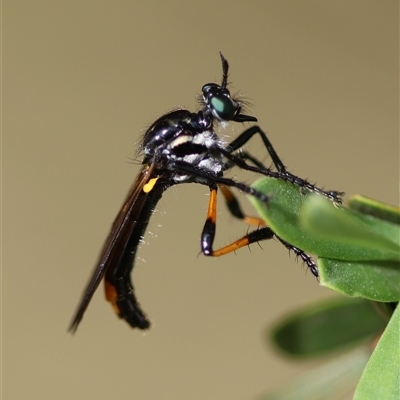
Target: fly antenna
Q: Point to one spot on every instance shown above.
(225, 68)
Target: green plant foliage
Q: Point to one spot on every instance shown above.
(326, 327)
(381, 377)
(318, 226)
(375, 208)
(369, 238)
(373, 280)
(358, 255)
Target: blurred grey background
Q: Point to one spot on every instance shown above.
(81, 82)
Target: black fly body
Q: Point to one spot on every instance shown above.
(183, 147)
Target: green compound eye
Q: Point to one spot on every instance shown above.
(223, 108)
(220, 103)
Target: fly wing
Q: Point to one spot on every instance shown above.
(118, 237)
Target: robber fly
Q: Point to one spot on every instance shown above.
(183, 147)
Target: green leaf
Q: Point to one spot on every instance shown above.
(368, 206)
(368, 238)
(358, 255)
(330, 231)
(373, 280)
(381, 377)
(326, 327)
(358, 252)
